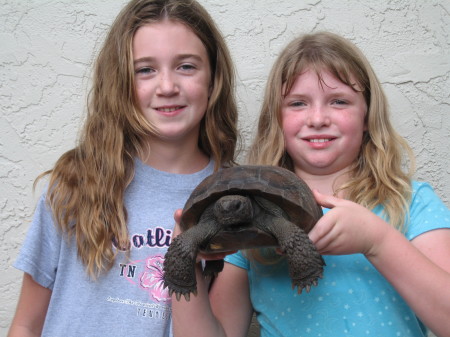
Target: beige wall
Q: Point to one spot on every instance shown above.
(47, 47)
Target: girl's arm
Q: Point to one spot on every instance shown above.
(225, 311)
(31, 309)
(419, 270)
(230, 300)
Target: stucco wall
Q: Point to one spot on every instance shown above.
(47, 48)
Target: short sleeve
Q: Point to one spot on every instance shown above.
(238, 260)
(39, 254)
(427, 211)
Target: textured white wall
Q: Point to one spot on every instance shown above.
(47, 48)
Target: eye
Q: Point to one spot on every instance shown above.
(187, 67)
(296, 104)
(339, 102)
(144, 71)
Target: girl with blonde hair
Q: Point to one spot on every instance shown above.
(385, 238)
(162, 116)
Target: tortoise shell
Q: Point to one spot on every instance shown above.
(273, 183)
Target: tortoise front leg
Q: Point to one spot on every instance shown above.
(305, 262)
(179, 262)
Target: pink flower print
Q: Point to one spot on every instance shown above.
(152, 279)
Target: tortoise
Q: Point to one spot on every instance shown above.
(245, 207)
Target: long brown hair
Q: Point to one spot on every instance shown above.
(381, 175)
(87, 184)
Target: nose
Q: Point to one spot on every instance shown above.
(318, 117)
(167, 85)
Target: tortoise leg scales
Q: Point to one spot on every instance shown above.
(305, 263)
(180, 259)
(179, 267)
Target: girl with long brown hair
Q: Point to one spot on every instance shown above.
(162, 117)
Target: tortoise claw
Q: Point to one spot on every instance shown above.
(305, 284)
(180, 291)
(178, 294)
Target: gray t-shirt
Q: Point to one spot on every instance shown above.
(129, 300)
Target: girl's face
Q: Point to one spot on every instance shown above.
(173, 76)
(323, 124)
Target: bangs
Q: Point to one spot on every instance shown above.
(341, 70)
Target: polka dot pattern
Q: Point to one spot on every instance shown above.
(352, 299)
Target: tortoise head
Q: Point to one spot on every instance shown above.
(233, 209)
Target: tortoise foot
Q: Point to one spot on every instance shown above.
(305, 264)
(180, 291)
(306, 283)
(179, 269)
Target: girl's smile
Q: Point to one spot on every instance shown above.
(169, 110)
(323, 123)
(319, 141)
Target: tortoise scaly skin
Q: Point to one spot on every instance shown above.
(240, 208)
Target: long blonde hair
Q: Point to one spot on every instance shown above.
(377, 176)
(87, 184)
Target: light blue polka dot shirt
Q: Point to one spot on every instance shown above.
(352, 299)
